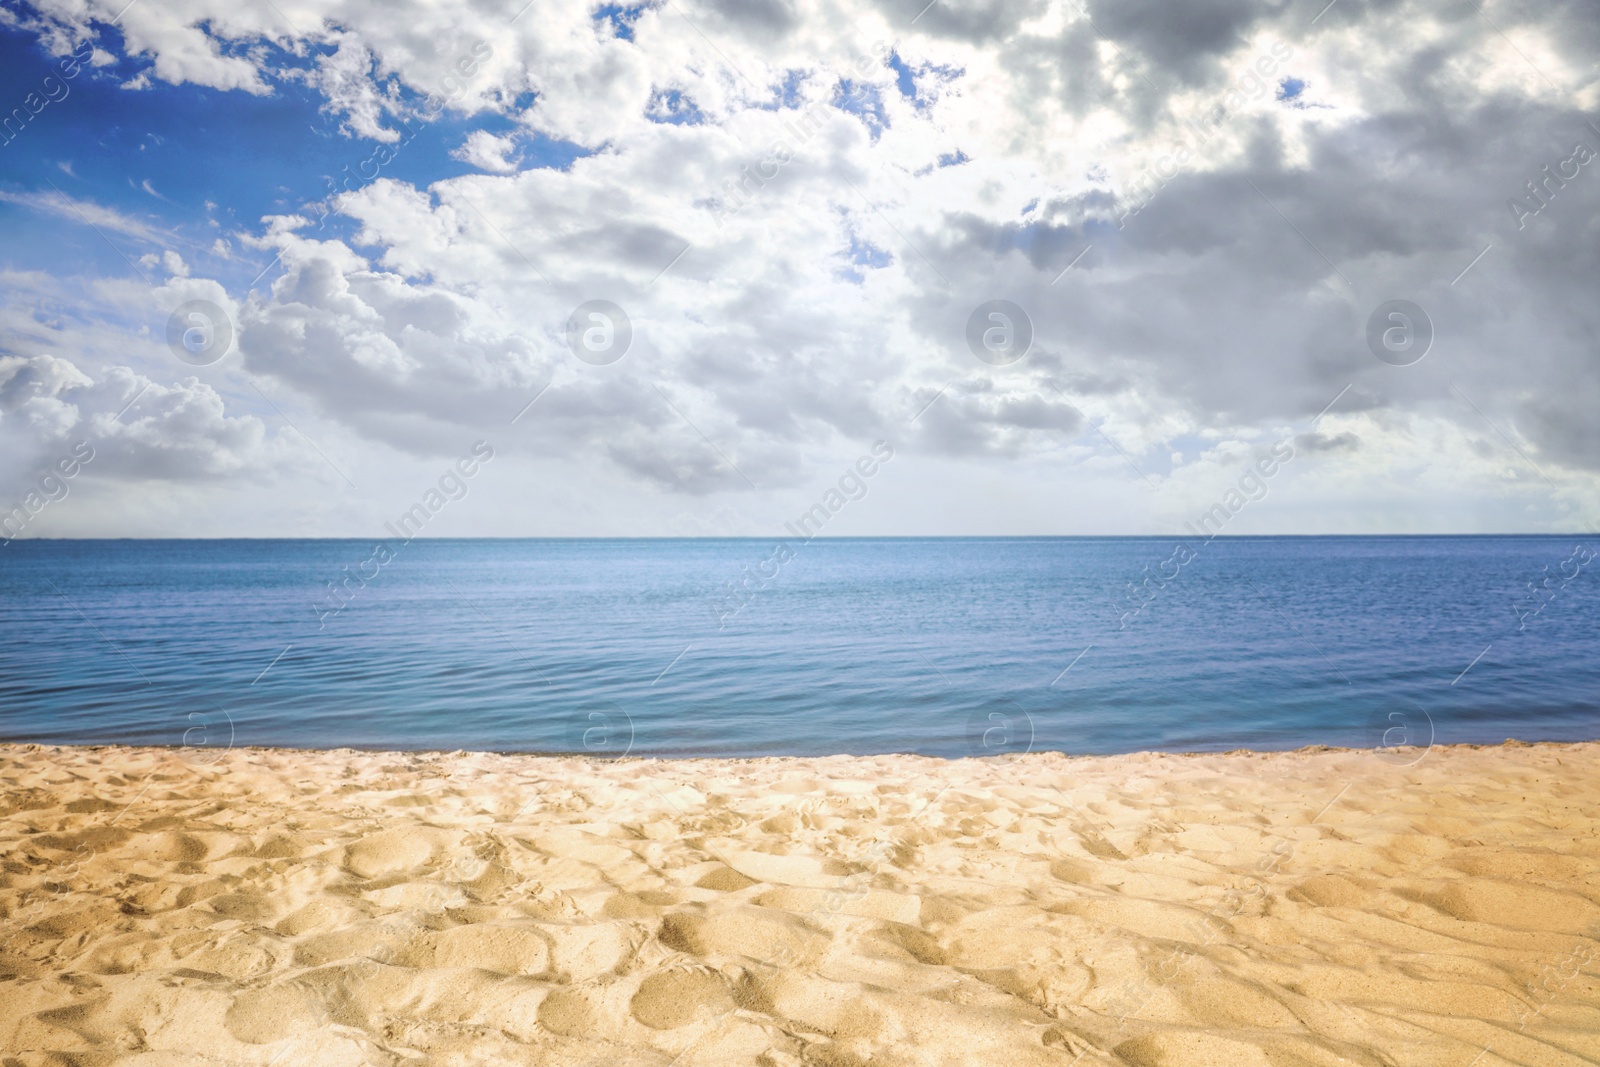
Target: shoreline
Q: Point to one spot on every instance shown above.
(1397, 752)
(874, 537)
(1320, 906)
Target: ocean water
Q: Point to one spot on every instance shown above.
(939, 646)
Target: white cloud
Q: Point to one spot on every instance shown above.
(141, 429)
(88, 213)
(799, 264)
(488, 152)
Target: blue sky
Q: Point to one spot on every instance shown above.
(800, 208)
(196, 162)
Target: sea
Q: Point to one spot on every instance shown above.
(750, 647)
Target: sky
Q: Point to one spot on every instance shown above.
(290, 268)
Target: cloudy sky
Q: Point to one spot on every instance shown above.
(1191, 217)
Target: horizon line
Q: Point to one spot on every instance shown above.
(821, 537)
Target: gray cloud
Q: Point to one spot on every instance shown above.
(139, 429)
(1185, 39)
(1321, 442)
(1236, 243)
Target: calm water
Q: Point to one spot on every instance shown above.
(946, 647)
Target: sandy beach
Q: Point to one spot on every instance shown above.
(1317, 907)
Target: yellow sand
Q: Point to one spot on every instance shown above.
(1318, 907)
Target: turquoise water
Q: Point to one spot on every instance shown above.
(944, 647)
